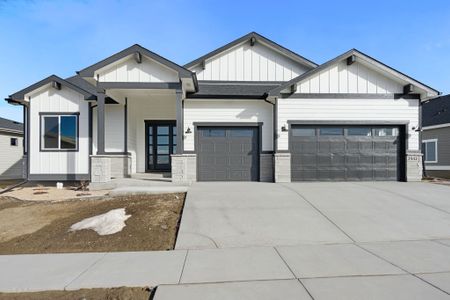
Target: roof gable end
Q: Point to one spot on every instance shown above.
(138, 51)
(253, 38)
(53, 79)
(400, 83)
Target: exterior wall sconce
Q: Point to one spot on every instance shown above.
(188, 130)
(284, 128)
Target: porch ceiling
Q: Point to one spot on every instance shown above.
(120, 94)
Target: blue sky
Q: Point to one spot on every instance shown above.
(39, 38)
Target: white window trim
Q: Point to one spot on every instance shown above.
(435, 141)
(59, 149)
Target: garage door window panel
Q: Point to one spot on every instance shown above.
(304, 132)
(331, 131)
(359, 131)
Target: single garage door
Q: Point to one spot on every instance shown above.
(341, 153)
(227, 153)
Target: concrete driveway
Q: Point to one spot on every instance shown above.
(221, 215)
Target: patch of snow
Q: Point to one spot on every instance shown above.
(108, 223)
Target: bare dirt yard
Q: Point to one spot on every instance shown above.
(123, 293)
(9, 182)
(43, 227)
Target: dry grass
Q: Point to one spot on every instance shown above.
(43, 227)
(123, 293)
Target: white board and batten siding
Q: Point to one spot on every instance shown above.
(65, 100)
(353, 79)
(249, 63)
(128, 70)
(226, 111)
(114, 128)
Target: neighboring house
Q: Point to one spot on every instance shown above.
(11, 149)
(436, 136)
(251, 110)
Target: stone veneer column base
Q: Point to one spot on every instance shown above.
(100, 168)
(282, 167)
(184, 168)
(414, 167)
(266, 167)
(120, 166)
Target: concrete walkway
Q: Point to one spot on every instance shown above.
(394, 270)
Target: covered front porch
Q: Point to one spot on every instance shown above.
(137, 121)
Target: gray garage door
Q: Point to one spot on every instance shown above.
(227, 153)
(342, 153)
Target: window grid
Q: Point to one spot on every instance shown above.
(59, 148)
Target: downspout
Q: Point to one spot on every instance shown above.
(424, 171)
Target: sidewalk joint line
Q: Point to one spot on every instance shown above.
(440, 243)
(87, 269)
(403, 196)
(184, 265)
(289, 268)
(403, 269)
(320, 212)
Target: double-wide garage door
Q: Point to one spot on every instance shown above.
(227, 153)
(341, 153)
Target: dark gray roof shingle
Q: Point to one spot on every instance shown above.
(10, 125)
(436, 111)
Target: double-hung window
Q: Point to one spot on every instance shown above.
(59, 132)
(429, 148)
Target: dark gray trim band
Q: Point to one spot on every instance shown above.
(139, 85)
(24, 108)
(180, 122)
(346, 122)
(101, 123)
(227, 97)
(115, 153)
(228, 124)
(28, 139)
(350, 96)
(58, 177)
(275, 126)
(59, 113)
(125, 126)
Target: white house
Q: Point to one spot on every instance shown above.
(251, 110)
(11, 149)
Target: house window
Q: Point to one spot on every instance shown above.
(14, 142)
(59, 132)
(429, 149)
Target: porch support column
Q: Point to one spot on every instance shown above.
(100, 122)
(180, 122)
(125, 126)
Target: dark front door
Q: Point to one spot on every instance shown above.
(228, 153)
(160, 141)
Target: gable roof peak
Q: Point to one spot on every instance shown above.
(282, 50)
(429, 92)
(90, 71)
